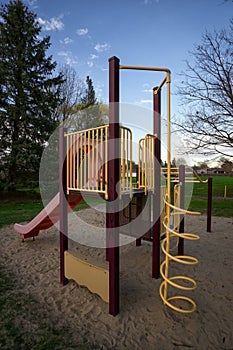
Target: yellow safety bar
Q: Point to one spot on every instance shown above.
(126, 160)
(198, 177)
(190, 175)
(146, 162)
(176, 221)
(87, 157)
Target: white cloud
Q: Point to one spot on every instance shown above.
(32, 3)
(148, 91)
(90, 64)
(71, 60)
(62, 53)
(52, 24)
(102, 47)
(145, 101)
(149, 2)
(93, 57)
(82, 31)
(68, 57)
(66, 41)
(147, 88)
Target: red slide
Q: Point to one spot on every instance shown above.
(47, 217)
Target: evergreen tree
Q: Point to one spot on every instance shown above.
(28, 92)
(89, 99)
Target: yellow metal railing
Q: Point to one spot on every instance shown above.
(190, 175)
(176, 216)
(87, 157)
(196, 177)
(126, 159)
(146, 162)
(163, 209)
(174, 174)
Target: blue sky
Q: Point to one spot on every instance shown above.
(158, 33)
(140, 32)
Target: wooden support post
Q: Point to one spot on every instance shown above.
(182, 198)
(112, 218)
(209, 204)
(63, 204)
(157, 183)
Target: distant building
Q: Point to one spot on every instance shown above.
(216, 171)
(211, 171)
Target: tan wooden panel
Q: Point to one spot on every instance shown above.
(95, 278)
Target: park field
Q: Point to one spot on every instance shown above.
(23, 206)
(222, 204)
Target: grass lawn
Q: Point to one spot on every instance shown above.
(18, 205)
(219, 183)
(220, 207)
(23, 206)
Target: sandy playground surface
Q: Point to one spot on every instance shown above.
(144, 322)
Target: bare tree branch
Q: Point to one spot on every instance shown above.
(71, 93)
(207, 94)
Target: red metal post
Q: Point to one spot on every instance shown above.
(112, 218)
(182, 198)
(63, 204)
(139, 205)
(209, 204)
(136, 169)
(157, 183)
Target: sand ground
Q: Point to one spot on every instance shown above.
(144, 322)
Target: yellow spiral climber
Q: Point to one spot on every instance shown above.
(180, 282)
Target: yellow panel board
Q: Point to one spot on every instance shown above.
(95, 278)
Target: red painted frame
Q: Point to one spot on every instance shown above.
(157, 183)
(112, 218)
(63, 204)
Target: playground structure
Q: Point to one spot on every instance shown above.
(98, 161)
